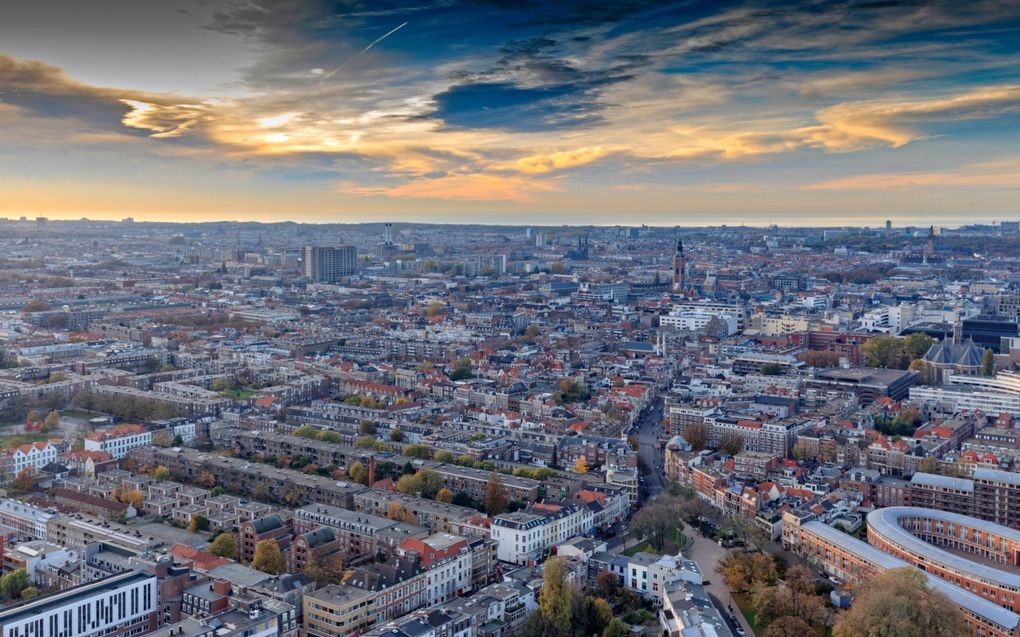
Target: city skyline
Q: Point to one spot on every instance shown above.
(689, 113)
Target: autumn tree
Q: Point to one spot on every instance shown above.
(731, 444)
(366, 427)
(444, 495)
(789, 626)
(134, 497)
(424, 483)
(396, 435)
(929, 465)
(581, 465)
(495, 495)
(327, 570)
(52, 421)
(198, 523)
(802, 450)
(205, 479)
(161, 473)
(899, 602)
(268, 557)
(696, 435)
(24, 482)
(556, 599)
(400, 513)
(224, 546)
(358, 473)
(819, 358)
(742, 571)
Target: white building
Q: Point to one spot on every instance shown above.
(30, 522)
(32, 456)
(697, 320)
(121, 605)
(119, 440)
(524, 537)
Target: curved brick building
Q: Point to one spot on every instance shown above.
(940, 543)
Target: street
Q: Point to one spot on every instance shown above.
(648, 431)
(704, 551)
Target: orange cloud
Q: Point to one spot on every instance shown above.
(548, 162)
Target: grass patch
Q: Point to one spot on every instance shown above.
(238, 394)
(77, 413)
(743, 602)
(642, 547)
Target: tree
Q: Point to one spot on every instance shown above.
(743, 571)
(134, 497)
(556, 599)
(30, 592)
(325, 571)
(366, 427)
(929, 465)
(445, 496)
(423, 452)
(988, 363)
(358, 473)
(771, 369)
(224, 546)
(400, 513)
(198, 523)
(205, 479)
(915, 345)
(434, 308)
(899, 602)
(790, 626)
(268, 557)
(495, 495)
(161, 473)
(616, 628)
(581, 466)
(396, 435)
(443, 456)
(657, 521)
(52, 421)
(696, 435)
(13, 584)
(883, 351)
(36, 305)
(819, 358)
(731, 444)
(592, 615)
(802, 450)
(24, 482)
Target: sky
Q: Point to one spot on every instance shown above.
(512, 111)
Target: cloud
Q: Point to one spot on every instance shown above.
(560, 160)
(857, 125)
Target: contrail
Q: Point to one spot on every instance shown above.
(360, 53)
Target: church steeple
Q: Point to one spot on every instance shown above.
(679, 267)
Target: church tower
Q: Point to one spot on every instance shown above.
(679, 268)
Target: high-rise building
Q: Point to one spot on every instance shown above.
(326, 265)
(388, 233)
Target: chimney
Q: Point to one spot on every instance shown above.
(371, 470)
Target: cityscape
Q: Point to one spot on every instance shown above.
(483, 319)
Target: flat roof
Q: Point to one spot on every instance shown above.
(886, 522)
(42, 604)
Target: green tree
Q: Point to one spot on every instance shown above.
(198, 523)
(988, 363)
(30, 592)
(268, 557)
(13, 583)
(771, 369)
(366, 427)
(423, 452)
(556, 599)
(396, 435)
(616, 628)
(884, 351)
(225, 546)
(900, 603)
(915, 345)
